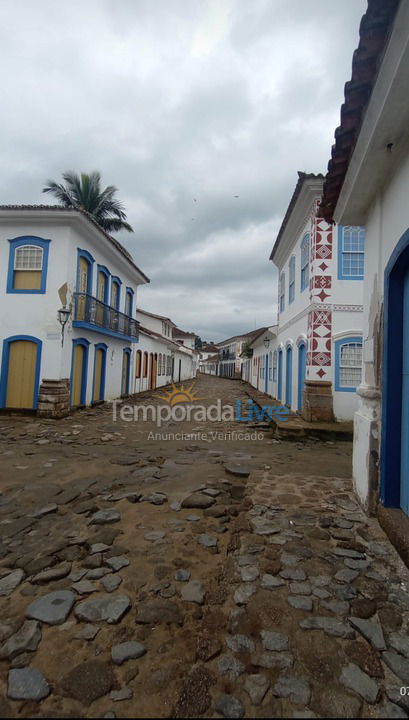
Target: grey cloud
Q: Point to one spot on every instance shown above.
(171, 101)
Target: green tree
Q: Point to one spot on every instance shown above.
(84, 191)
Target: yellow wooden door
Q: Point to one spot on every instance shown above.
(101, 295)
(99, 357)
(114, 296)
(125, 370)
(77, 373)
(21, 377)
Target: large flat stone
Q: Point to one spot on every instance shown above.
(9, 582)
(372, 631)
(353, 678)
(193, 592)
(27, 684)
(198, 500)
(55, 573)
(88, 681)
(105, 517)
(297, 689)
(159, 612)
(237, 469)
(329, 625)
(53, 608)
(274, 640)
(26, 639)
(130, 650)
(105, 608)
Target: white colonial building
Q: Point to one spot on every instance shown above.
(368, 183)
(160, 360)
(57, 265)
(316, 365)
(230, 350)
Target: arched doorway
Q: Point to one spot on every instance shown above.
(20, 372)
(302, 360)
(289, 376)
(98, 386)
(126, 371)
(79, 372)
(395, 407)
(280, 375)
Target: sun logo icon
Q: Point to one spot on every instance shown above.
(179, 395)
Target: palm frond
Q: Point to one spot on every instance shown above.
(85, 191)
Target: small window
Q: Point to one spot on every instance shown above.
(351, 246)
(27, 267)
(282, 292)
(291, 281)
(275, 366)
(145, 365)
(305, 261)
(160, 364)
(348, 364)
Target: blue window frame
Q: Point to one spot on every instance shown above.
(282, 292)
(28, 253)
(115, 281)
(90, 260)
(348, 363)
(291, 280)
(129, 301)
(351, 252)
(305, 261)
(7, 342)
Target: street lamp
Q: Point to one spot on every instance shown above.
(63, 314)
(266, 342)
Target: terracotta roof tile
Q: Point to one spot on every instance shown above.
(374, 32)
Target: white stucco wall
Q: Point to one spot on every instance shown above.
(387, 221)
(36, 314)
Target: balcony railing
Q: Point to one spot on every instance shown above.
(88, 309)
(227, 355)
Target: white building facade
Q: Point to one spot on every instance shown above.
(159, 359)
(316, 365)
(52, 257)
(367, 183)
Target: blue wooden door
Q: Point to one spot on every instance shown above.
(404, 473)
(266, 375)
(289, 377)
(280, 375)
(302, 357)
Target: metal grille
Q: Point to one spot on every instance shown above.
(28, 257)
(93, 311)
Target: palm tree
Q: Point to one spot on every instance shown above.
(85, 192)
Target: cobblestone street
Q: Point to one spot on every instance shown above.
(192, 577)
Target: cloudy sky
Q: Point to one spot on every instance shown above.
(182, 104)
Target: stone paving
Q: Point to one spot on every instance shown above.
(207, 579)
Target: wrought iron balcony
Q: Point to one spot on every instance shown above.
(91, 311)
(227, 355)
